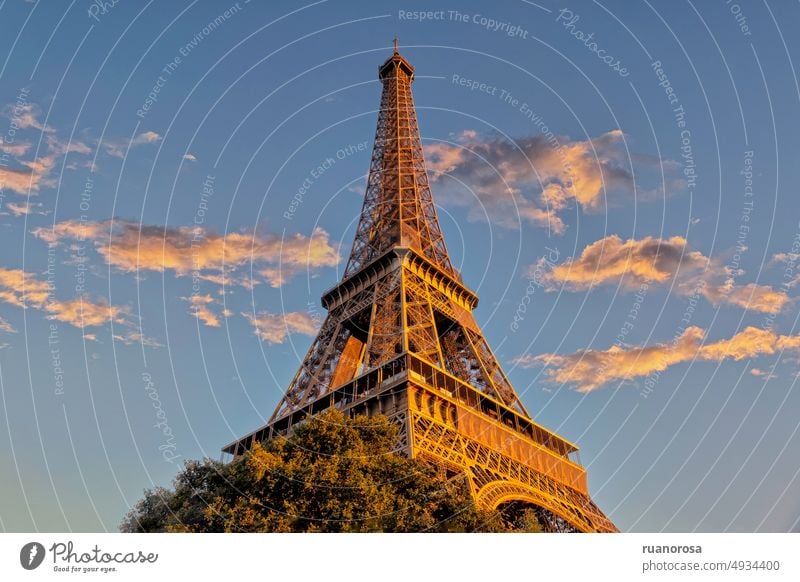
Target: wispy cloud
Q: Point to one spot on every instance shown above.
(200, 307)
(16, 149)
(588, 370)
(33, 174)
(132, 247)
(132, 336)
(6, 327)
(653, 261)
(533, 179)
(82, 312)
(791, 277)
(759, 373)
(274, 328)
(117, 148)
(18, 209)
(25, 290)
(26, 116)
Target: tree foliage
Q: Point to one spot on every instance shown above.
(333, 474)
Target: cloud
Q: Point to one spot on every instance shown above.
(588, 370)
(19, 181)
(532, 179)
(784, 258)
(791, 277)
(759, 373)
(200, 308)
(274, 328)
(14, 149)
(298, 254)
(117, 148)
(6, 327)
(59, 147)
(82, 313)
(752, 296)
(634, 263)
(132, 247)
(749, 343)
(190, 157)
(37, 174)
(26, 116)
(146, 137)
(133, 336)
(22, 208)
(32, 175)
(25, 290)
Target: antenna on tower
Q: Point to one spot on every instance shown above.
(396, 49)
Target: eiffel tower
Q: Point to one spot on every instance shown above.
(400, 339)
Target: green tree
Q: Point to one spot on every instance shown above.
(333, 474)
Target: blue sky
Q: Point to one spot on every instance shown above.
(617, 182)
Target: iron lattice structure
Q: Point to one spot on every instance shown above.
(400, 339)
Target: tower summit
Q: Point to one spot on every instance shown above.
(398, 207)
(400, 339)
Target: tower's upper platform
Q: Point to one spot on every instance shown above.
(394, 63)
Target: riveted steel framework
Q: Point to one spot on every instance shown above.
(400, 339)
